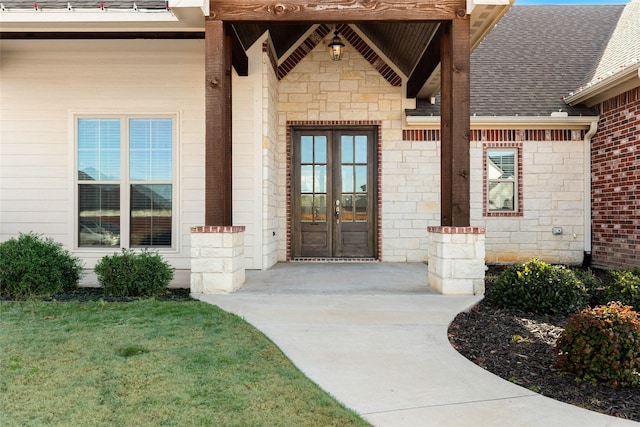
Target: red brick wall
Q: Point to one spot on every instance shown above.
(615, 187)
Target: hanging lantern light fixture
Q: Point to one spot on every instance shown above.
(336, 47)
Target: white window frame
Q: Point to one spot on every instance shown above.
(125, 182)
(515, 180)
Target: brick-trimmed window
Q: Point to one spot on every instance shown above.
(125, 181)
(502, 179)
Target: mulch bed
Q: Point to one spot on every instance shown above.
(518, 347)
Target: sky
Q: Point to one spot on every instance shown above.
(530, 2)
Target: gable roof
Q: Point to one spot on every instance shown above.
(617, 68)
(533, 57)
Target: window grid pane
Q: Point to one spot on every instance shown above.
(98, 215)
(150, 149)
(98, 149)
(151, 215)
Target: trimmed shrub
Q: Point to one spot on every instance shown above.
(35, 267)
(594, 285)
(624, 286)
(134, 274)
(538, 287)
(602, 344)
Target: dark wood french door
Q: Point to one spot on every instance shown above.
(334, 193)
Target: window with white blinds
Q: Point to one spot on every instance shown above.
(125, 181)
(502, 180)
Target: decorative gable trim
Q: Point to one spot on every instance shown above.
(301, 51)
(370, 55)
(316, 37)
(501, 135)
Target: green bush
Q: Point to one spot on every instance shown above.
(624, 286)
(134, 274)
(602, 344)
(538, 287)
(35, 267)
(594, 286)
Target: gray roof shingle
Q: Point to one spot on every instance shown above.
(623, 47)
(533, 57)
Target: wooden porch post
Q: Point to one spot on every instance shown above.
(218, 48)
(455, 122)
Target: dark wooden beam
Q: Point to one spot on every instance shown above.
(446, 113)
(335, 11)
(455, 123)
(425, 66)
(218, 209)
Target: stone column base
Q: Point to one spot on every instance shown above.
(456, 260)
(217, 259)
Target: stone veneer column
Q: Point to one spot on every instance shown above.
(456, 260)
(217, 259)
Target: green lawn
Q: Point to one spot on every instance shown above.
(149, 363)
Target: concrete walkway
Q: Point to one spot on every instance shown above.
(375, 337)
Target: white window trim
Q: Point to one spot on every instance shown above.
(124, 171)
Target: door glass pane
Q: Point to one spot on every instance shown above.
(347, 208)
(347, 149)
(320, 149)
(306, 207)
(361, 149)
(306, 179)
(306, 149)
(361, 179)
(151, 215)
(99, 215)
(320, 208)
(320, 179)
(361, 207)
(347, 179)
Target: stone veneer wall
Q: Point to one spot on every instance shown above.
(615, 178)
(551, 192)
(273, 224)
(552, 170)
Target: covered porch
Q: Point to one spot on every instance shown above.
(423, 48)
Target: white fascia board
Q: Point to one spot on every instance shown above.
(471, 4)
(625, 79)
(84, 16)
(184, 15)
(202, 4)
(510, 122)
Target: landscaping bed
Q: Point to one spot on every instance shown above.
(518, 347)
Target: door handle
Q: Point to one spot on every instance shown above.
(337, 211)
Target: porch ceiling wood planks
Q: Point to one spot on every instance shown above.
(338, 11)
